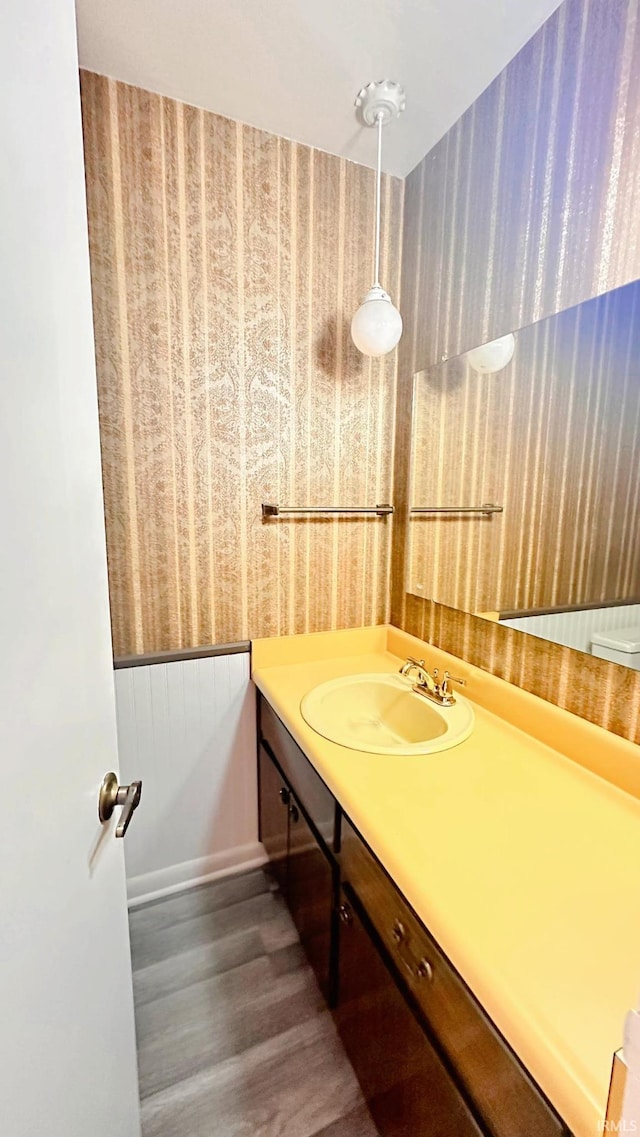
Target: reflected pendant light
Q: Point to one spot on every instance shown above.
(377, 326)
(492, 357)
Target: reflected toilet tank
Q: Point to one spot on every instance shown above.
(619, 645)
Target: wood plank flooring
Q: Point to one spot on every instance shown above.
(234, 1038)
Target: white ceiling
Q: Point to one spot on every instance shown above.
(294, 67)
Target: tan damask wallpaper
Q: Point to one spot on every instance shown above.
(529, 205)
(226, 264)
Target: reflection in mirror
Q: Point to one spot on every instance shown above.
(554, 439)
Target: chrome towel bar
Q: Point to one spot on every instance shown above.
(270, 510)
(486, 510)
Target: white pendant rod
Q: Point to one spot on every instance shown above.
(376, 272)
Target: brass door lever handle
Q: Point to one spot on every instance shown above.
(111, 795)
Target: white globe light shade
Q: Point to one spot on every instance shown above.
(493, 356)
(377, 326)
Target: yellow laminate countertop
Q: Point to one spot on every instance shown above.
(522, 863)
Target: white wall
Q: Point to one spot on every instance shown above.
(187, 729)
(574, 629)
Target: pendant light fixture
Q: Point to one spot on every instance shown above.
(377, 326)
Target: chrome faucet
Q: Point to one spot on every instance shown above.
(423, 679)
(439, 691)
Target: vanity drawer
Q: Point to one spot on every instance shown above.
(311, 792)
(503, 1095)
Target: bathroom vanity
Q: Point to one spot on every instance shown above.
(411, 881)
(427, 1057)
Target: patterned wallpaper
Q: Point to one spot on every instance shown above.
(226, 264)
(554, 438)
(529, 205)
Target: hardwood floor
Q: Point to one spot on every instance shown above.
(234, 1038)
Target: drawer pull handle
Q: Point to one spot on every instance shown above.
(345, 914)
(284, 795)
(293, 814)
(424, 970)
(399, 932)
(420, 970)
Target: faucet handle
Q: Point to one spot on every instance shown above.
(447, 679)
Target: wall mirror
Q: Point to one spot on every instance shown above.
(552, 442)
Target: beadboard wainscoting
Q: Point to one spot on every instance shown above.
(575, 628)
(187, 729)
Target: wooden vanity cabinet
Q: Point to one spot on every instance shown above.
(274, 799)
(318, 803)
(407, 1089)
(504, 1098)
(305, 872)
(429, 1060)
(310, 894)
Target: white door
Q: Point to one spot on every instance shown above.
(67, 1049)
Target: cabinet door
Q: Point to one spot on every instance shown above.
(274, 798)
(310, 896)
(407, 1088)
(319, 803)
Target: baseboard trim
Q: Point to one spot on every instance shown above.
(177, 878)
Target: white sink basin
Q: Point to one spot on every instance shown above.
(381, 714)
